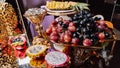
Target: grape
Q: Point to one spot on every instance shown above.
(75, 34)
(88, 24)
(83, 26)
(60, 22)
(84, 16)
(78, 29)
(75, 18)
(84, 30)
(64, 26)
(107, 34)
(92, 35)
(86, 36)
(77, 22)
(81, 37)
(85, 12)
(89, 15)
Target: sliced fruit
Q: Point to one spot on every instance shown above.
(36, 51)
(109, 24)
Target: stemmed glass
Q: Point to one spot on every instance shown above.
(36, 16)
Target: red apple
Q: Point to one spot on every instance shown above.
(72, 28)
(49, 31)
(101, 40)
(102, 27)
(62, 37)
(68, 32)
(101, 22)
(59, 28)
(72, 24)
(54, 34)
(54, 22)
(54, 38)
(67, 38)
(75, 40)
(54, 29)
(101, 35)
(87, 42)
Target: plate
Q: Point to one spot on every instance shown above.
(60, 11)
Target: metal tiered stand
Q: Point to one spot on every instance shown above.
(82, 56)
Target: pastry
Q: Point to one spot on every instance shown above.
(8, 18)
(40, 41)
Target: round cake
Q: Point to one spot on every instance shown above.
(56, 59)
(36, 51)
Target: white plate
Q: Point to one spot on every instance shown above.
(60, 11)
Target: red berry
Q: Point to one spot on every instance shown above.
(54, 29)
(62, 37)
(54, 22)
(60, 29)
(72, 28)
(101, 35)
(49, 31)
(67, 38)
(87, 42)
(54, 38)
(75, 40)
(68, 32)
(72, 24)
(54, 34)
(102, 27)
(101, 22)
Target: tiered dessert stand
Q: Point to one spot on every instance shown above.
(81, 55)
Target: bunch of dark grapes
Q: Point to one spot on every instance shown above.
(82, 29)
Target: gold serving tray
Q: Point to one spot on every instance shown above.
(60, 12)
(96, 46)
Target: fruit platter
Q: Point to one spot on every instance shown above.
(64, 8)
(85, 35)
(75, 32)
(84, 30)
